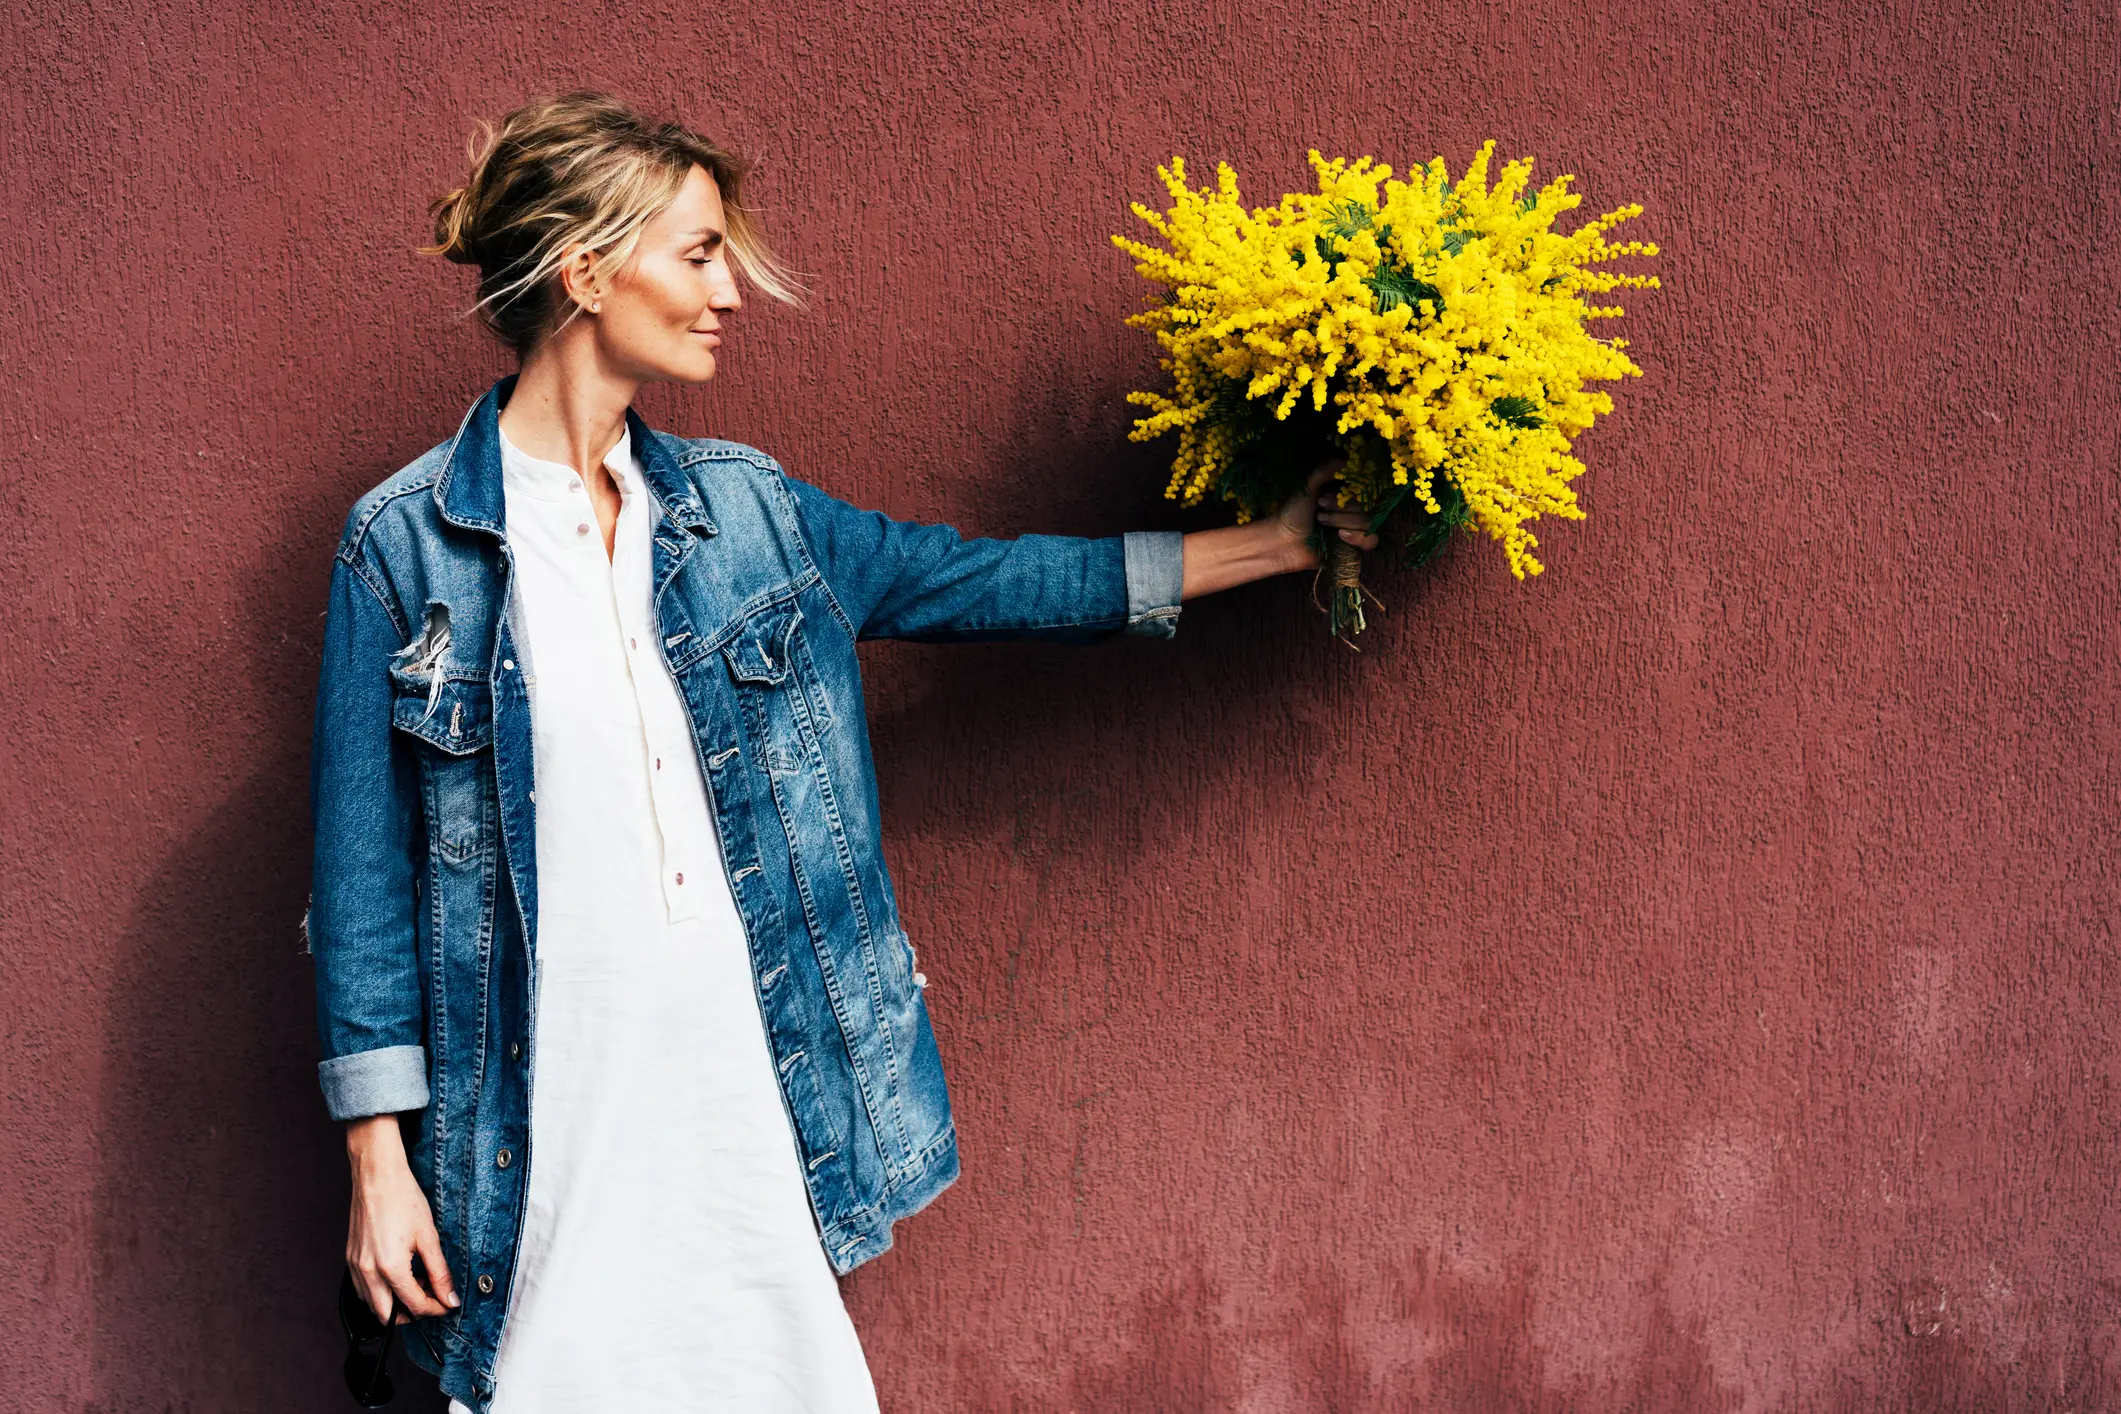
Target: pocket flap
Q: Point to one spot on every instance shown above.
(759, 650)
(458, 719)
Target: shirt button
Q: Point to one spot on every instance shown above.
(575, 484)
(659, 763)
(515, 1050)
(681, 878)
(485, 1286)
(508, 665)
(634, 644)
(582, 529)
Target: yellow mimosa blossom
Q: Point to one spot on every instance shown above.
(1432, 331)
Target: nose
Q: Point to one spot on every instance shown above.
(725, 295)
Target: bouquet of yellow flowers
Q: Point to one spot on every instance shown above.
(1431, 334)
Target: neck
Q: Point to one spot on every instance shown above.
(568, 406)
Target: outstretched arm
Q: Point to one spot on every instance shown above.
(904, 579)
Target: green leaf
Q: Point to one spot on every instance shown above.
(1348, 218)
(1431, 530)
(1394, 284)
(1382, 511)
(1516, 410)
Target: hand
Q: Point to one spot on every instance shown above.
(1307, 508)
(1238, 554)
(390, 1225)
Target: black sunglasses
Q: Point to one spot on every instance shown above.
(368, 1343)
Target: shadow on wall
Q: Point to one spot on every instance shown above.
(220, 1202)
(979, 735)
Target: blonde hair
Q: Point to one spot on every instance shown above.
(581, 169)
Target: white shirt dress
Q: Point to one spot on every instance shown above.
(669, 1261)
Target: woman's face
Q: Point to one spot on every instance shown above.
(663, 310)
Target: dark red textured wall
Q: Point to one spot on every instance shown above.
(1681, 983)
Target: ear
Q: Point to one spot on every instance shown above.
(576, 271)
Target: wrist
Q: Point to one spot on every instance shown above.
(374, 1142)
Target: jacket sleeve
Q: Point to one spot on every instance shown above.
(364, 799)
(903, 579)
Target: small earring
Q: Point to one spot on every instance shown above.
(596, 306)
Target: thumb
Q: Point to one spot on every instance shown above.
(429, 1245)
(1325, 472)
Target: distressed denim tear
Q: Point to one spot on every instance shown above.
(422, 658)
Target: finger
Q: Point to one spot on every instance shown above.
(1325, 472)
(375, 1291)
(429, 1247)
(1359, 520)
(411, 1298)
(1361, 540)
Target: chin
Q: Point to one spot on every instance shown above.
(690, 370)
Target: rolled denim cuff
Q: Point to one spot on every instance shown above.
(385, 1081)
(1156, 577)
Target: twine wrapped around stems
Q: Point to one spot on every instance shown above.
(1345, 608)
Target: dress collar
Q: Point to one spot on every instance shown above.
(556, 481)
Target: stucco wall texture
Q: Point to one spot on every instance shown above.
(1683, 982)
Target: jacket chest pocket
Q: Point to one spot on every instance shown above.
(761, 651)
(452, 728)
(767, 653)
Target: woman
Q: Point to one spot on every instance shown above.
(598, 872)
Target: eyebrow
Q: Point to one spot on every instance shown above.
(706, 233)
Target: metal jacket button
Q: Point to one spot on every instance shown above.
(485, 1286)
(501, 1159)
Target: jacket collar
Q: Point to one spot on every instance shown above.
(469, 490)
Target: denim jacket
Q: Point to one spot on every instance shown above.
(423, 916)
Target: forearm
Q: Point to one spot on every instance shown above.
(1239, 554)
